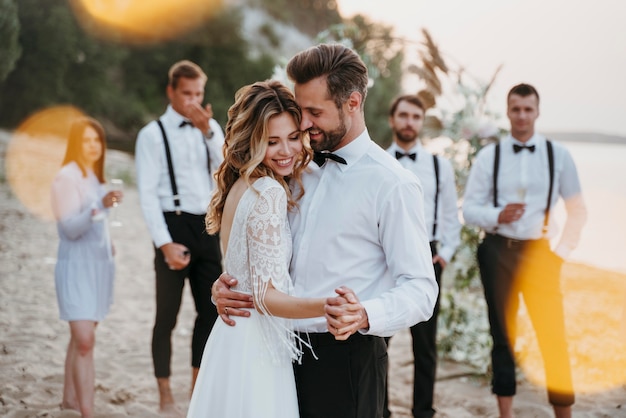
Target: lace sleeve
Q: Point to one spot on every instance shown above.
(268, 233)
(269, 251)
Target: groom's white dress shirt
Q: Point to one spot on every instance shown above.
(362, 225)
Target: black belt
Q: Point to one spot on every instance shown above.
(512, 243)
(178, 213)
(318, 339)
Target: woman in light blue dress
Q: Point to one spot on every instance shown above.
(84, 271)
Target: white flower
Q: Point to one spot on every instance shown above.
(487, 129)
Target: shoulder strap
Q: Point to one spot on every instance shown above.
(436, 164)
(170, 168)
(551, 167)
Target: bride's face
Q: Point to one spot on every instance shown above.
(284, 144)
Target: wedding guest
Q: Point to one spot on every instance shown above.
(246, 371)
(360, 223)
(85, 269)
(176, 157)
(406, 119)
(511, 192)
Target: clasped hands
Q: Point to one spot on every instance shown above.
(344, 313)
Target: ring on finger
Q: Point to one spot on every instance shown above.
(226, 311)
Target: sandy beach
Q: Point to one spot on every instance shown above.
(33, 340)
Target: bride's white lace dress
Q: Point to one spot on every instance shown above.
(246, 370)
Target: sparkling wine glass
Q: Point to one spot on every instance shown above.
(115, 185)
(521, 194)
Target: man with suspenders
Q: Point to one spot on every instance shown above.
(176, 156)
(406, 118)
(511, 189)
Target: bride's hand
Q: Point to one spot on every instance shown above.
(344, 314)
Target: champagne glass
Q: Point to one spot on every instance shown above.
(521, 194)
(116, 185)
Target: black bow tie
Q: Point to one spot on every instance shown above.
(518, 148)
(399, 155)
(185, 122)
(320, 158)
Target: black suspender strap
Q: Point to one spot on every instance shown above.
(436, 164)
(496, 167)
(170, 168)
(208, 156)
(551, 165)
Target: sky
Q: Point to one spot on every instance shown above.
(572, 51)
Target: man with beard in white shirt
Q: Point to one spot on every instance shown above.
(359, 232)
(406, 119)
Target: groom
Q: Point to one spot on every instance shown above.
(360, 224)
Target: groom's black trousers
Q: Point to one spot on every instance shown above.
(346, 381)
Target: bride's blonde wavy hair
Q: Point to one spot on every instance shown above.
(246, 140)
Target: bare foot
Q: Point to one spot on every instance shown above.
(171, 410)
(167, 406)
(68, 405)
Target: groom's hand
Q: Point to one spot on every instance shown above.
(229, 302)
(344, 314)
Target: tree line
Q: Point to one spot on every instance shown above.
(49, 59)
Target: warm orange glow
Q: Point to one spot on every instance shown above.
(35, 154)
(140, 21)
(595, 314)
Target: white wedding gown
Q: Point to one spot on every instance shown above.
(246, 370)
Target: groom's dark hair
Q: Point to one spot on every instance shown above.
(344, 70)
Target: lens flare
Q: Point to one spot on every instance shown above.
(35, 154)
(593, 311)
(143, 22)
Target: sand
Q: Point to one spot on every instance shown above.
(33, 340)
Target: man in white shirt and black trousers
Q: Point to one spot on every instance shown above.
(441, 212)
(511, 190)
(360, 224)
(176, 156)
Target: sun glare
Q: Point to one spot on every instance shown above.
(595, 331)
(35, 154)
(139, 21)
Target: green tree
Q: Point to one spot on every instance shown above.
(60, 64)
(10, 50)
(37, 80)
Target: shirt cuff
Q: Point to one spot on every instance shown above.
(161, 240)
(446, 253)
(375, 309)
(492, 217)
